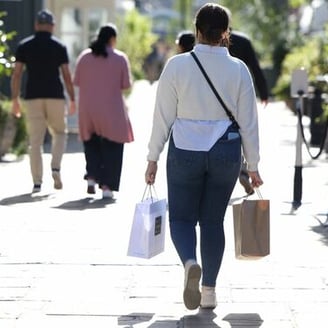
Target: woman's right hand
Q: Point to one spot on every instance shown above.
(256, 179)
(151, 171)
(72, 108)
(16, 108)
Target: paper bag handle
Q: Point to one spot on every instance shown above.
(258, 193)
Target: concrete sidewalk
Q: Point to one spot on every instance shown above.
(63, 256)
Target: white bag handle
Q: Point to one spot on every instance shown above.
(149, 188)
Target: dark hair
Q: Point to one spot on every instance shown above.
(186, 40)
(212, 21)
(99, 46)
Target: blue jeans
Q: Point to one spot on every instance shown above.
(200, 184)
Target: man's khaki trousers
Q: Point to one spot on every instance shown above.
(40, 115)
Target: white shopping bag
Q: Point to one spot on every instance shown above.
(147, 236)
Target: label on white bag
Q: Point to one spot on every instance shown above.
(158, 225)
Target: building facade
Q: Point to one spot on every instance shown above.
(78, 21)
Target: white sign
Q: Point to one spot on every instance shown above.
(299, 85)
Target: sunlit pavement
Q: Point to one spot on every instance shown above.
(63, 256)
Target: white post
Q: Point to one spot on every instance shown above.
(299, 87)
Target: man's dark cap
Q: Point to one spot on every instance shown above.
(45, 17)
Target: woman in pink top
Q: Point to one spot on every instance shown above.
(102, 73)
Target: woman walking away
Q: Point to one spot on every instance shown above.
(102, 74)
(204, 154)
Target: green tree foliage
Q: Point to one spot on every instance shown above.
(6, 58)
(312, 56)
(184, 7)
(271, 24)
(135, 39)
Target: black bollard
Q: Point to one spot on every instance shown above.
(298, 90)
(298, 180)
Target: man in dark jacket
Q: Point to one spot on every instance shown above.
(242, 48)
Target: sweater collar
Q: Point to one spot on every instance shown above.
(211, 49)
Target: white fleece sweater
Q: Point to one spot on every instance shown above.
(183, 92)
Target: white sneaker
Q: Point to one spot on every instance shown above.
(191, 293)
(36, 188)
(57, 180)
(208, 299)
(107, 194)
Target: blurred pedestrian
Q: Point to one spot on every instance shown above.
(102, 74)
(46, 60)
(242, 48)
(185, 41)
(204, 153)
(155, 60)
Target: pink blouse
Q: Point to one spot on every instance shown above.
(101, 104)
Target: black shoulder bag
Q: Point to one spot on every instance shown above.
(231, 117)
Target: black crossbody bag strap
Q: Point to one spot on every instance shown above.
(231, 117)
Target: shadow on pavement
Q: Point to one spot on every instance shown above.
(131, 319)
(249, 320)
(25, 198)
(204, 318)
(85, 204)
(322, 229)
(165, 324)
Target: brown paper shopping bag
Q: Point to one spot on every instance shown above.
(252, 229)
